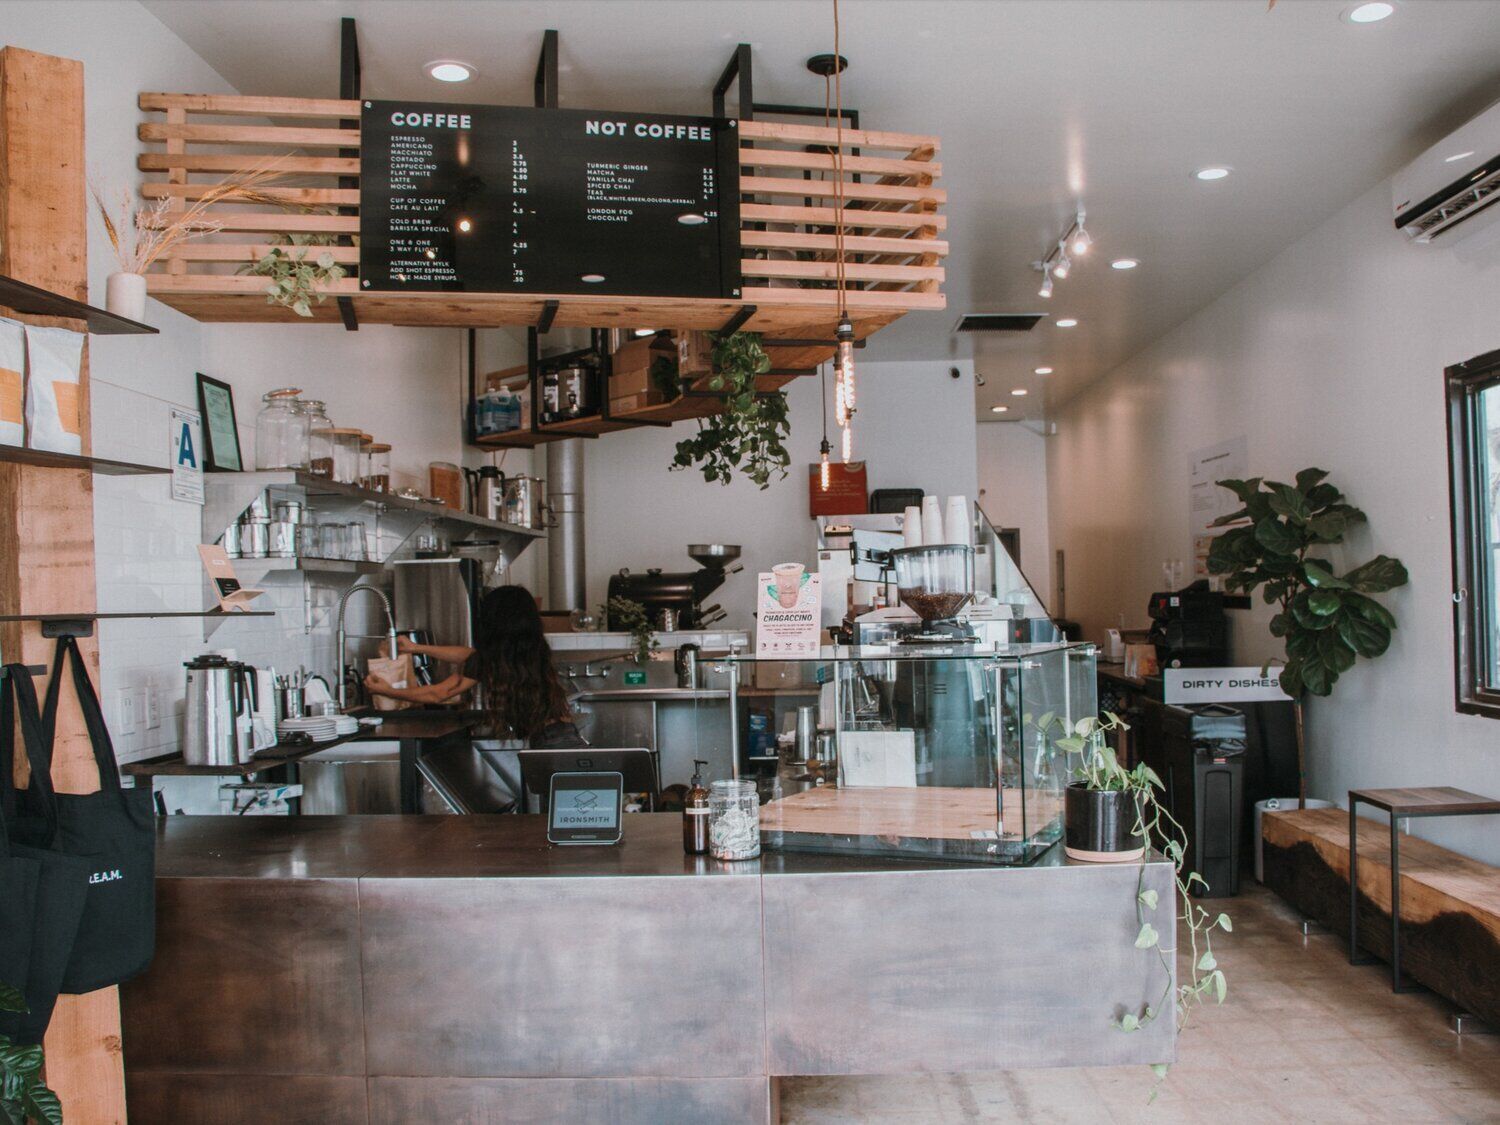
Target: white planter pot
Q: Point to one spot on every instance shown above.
(125, 295)
(1277, 804)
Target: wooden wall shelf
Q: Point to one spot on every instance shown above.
(892, 252)
(101, 465)
(31, 301)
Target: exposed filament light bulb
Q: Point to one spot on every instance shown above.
(823, 469)
(848, 449)
(844, 360)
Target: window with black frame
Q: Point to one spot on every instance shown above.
(1474, 469)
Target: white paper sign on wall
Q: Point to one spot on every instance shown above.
(1221, 685)
(787, 612)
(185, 448)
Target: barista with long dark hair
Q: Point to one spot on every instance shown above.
(511, 663)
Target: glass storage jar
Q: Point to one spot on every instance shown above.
(365, 441)
(281, 431)
(345, 444)
(733, 819)
(380, 467)
(319, 439)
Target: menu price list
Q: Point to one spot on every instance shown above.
(505, 199)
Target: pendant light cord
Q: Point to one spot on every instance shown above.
(838, 158)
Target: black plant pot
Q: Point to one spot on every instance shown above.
(1099, 826)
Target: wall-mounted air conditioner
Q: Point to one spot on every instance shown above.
(1452, 190)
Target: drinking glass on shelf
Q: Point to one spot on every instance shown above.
(354, 542)
(307, 540)
(330, 541)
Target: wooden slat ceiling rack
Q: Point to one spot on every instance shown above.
(893, 249)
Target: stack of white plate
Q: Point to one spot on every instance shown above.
(319, 728)
(345, 725)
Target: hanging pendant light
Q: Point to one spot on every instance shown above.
(824, 448)
(844, 378)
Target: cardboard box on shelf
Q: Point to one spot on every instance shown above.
(625, 404)
(630, 373)
(695, 353)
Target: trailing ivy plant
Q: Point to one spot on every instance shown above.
(1326, 621)
(296, 282)
(630, 617)
(748, 435)
(24, 1097)
(1092, 762)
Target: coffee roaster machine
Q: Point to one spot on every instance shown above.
(674, 600)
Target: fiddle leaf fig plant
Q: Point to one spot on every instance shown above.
(296, 282)
(1325, 620)
(24, 1097)
(748, 435)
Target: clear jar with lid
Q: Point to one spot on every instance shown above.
(365, 441)
(380, 467)
(345, 445)
(281, 431)
(733, 819)
(319, 444)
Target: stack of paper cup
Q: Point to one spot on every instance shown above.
(932, 522)
(911, 526)
(957, 526)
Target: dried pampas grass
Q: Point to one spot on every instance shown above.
(141, 235)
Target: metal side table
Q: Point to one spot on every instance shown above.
(1401, 804)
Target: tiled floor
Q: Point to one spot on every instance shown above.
(1302, 1037)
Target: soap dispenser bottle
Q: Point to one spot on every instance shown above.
(695, 813)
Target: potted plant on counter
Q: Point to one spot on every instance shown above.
(1325, 621)
(1111, 814)
(629, 616)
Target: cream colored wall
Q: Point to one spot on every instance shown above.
(1331, 355)
(1012, 464)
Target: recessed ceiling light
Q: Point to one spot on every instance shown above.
(465, 225)
(1212, 172)
(1019, 392)
(591, 278)
(1044, 371)
(449, 70)
(692, 219)
(1371, 12)
(642, 333)
(1068, 322)
(998, 409)
(1457, 156)
(1124, 263)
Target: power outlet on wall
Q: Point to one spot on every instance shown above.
(153, 706)
(127, 711)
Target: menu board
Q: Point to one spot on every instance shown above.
(507, 199)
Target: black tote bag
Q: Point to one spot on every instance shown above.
(41, 892)
(115, 828)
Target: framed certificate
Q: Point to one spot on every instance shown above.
(221, 436)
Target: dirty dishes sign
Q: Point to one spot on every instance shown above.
(184, 446)
(788, 609)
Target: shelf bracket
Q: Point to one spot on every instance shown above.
(549, 314)
(738, 320)
(69, 627)
(349, 74)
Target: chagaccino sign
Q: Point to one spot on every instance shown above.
(1221, 685)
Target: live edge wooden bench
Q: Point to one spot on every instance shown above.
(1449, 903)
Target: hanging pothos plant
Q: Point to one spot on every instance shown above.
(748, 436)
(295, 281)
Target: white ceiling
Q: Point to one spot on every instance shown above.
(1040, 104)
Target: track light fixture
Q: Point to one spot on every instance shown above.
(1058, 264)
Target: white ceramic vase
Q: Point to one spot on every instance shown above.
(125, 295)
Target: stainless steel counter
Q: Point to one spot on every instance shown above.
(442, 968)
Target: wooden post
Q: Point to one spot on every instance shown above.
(47, 515)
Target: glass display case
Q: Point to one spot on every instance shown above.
(939, 751)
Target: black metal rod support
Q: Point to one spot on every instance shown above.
(544, 91)
(349, 85)
(738, 320)
(739, 67)
(549, 314)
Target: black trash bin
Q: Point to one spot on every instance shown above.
(1199, 752)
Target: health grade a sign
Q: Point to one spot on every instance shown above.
(1221, 685)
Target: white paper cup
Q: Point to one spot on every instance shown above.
(911, 526)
